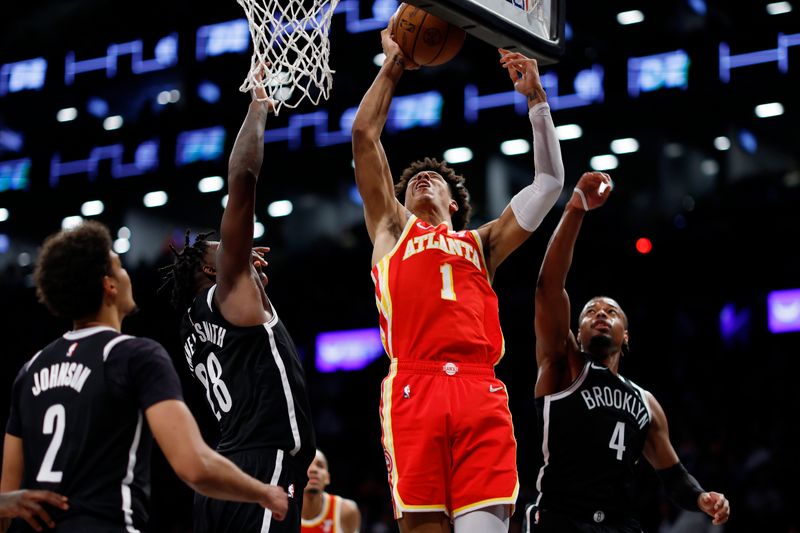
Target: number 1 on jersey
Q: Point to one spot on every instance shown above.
(448, 292)
(617, 441)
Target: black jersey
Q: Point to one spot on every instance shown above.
(593, 434)
(78, 407)
(253, 381)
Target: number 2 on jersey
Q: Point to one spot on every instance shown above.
(55, 420)
(617, 441)
(448, 292)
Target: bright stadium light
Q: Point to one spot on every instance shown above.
(515, 147)
(568, 132)
(604, 162)
(66, 114)
(163, 98)
(224, 201)
(71, 222)
(92, 208)
(461, 154)
(779, 8)
(211, 184)
(624, 146)
(122, 245)
(258, 230)
(630, 17)
(281, 208)
(155, 199)
(3, 214)
(113, 122)
(722, 143)
(379, 59)
(124, 232)
(772, 109)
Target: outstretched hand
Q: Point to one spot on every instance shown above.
(259, 93)
(592, 191)
(392, 50)
(524, 73)
(26, 504)
(715, 505)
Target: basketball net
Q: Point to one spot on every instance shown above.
(290, 43)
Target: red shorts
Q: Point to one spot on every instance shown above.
(448, 438)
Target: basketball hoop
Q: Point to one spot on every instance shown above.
(290, 38)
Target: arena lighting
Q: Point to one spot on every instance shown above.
(122, 245)
(163, 98)
(515, 147)
(258, 230)
(92, 208)
(630, 17)
(643, 245)
(211, 184)
(5, 243)
(604, 162)
(709, 167)
(3, 214)
(347, 350)
(174, 96)
(778, 8)
(281, 208)
(461, 154)
(224, 201)
(113, 122)
(24, 259)
(772, 109)
(624, 146)
(66, 114)
(71, 222)
(155, 199)
(97, 107)
(124, 233)
(379, 59)
(567, 132)
(209, 92)
(783, 311)
(722, 143)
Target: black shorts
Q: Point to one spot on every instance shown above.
(269, 466)
(74, 524)
(547, 521)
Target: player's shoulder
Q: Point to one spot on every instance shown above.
(129, 345)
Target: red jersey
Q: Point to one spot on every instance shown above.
(434, 299)
(329, 519)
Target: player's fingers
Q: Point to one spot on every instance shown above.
(40, 511)
(56, 500)
(29, 518)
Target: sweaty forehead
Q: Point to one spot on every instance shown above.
(600, 302)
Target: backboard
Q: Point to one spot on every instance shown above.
(533, 27)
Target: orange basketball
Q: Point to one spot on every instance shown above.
(425, 39)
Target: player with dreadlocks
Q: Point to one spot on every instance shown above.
(240, 352)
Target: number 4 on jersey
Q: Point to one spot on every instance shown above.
(617, 441)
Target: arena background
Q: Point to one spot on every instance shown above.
(713, 186)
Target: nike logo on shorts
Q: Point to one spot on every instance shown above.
(495, 389)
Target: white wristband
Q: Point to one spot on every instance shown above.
(583, 199)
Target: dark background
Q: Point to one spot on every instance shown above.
(719, 238)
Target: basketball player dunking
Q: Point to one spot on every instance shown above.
(595, 424)
(240, 351)
(447, 432)
(323, 512)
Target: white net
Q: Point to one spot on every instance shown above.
(291, 49)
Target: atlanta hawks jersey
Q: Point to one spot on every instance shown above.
(253, 381)
(329, 519)
(593, 434)
(78, 407)
(434, 299)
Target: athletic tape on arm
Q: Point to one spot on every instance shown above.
(681, 486)
(531, 204)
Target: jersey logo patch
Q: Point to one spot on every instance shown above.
(291, 490)
(450, 369)
(495, 389)
(407, 391)
(71, 349)
(599, 516)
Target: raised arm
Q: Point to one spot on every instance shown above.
(681, 486)
(239, 290)
(384, 215)
(351, 516)
(203, 469)
(529, 207)
(554, 339)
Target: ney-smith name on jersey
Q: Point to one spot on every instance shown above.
(206, 332)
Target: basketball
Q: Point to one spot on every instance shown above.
(425, 39)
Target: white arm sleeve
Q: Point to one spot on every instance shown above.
(531, 204)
